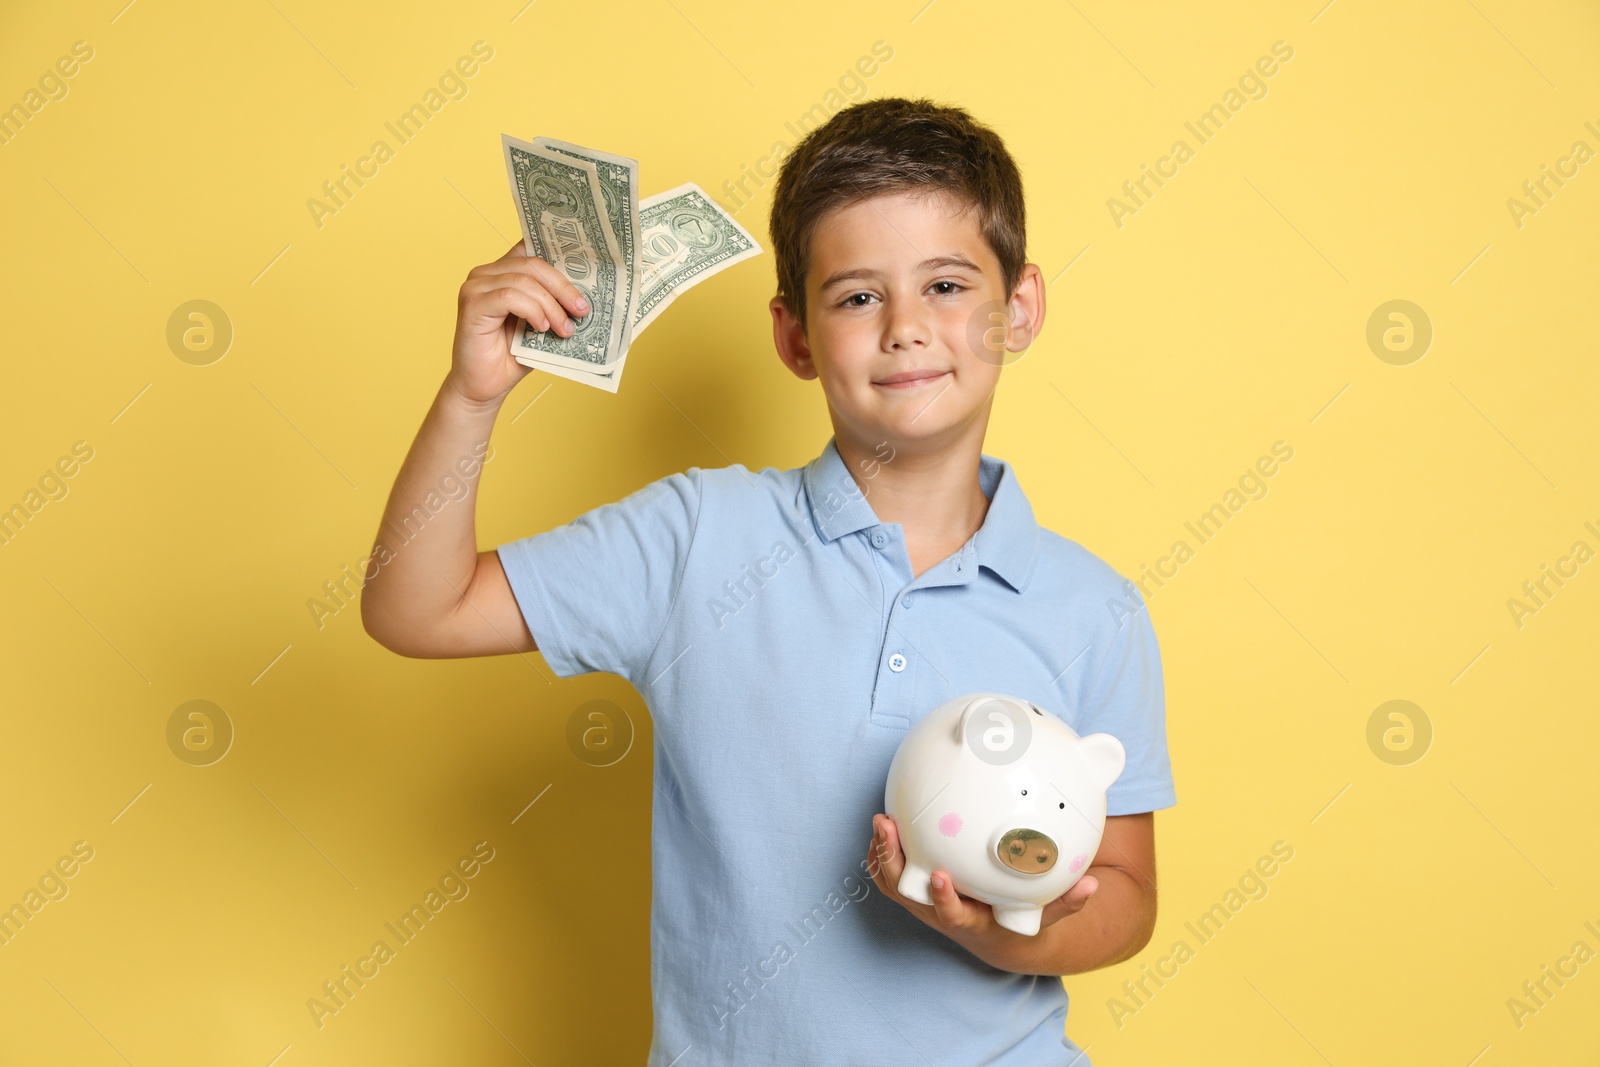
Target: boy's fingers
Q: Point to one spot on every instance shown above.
(879, 879)
(554, 313)
(565, 293)
(571, 300)
(875, 853)
(876, 868)
(947, 903)
(1079, 894)
(511, 301)
(884, 856)
(1071, 901)
(886, 850)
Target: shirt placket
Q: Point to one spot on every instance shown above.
(899, 656)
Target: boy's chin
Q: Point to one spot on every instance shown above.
(908, 428)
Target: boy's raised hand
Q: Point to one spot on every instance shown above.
(968, 921)
(482, 369)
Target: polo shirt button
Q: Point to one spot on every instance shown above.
(897, 663)
(905, 601)
(879, 538)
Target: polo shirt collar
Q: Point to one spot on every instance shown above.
(1007, 543)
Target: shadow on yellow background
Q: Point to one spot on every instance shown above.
(1441, 865)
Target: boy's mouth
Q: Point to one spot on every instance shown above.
(910, 379)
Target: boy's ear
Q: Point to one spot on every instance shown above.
(1026, 311)
(789, 338)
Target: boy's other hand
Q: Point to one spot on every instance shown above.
(968, 921)
(493, 297)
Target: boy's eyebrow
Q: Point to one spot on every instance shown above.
(951, 259)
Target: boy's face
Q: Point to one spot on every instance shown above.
(922, 297)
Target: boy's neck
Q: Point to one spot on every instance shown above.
(933, 491)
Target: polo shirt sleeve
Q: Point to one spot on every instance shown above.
(1127, 699)
(597, 592)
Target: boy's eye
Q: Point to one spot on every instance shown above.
(954, 287)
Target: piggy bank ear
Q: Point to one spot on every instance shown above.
(1104, 756)
(974, 706)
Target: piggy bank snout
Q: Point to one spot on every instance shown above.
(1027, 851)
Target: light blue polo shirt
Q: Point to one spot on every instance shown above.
(772, 626)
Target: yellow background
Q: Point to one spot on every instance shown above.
(1228, 313)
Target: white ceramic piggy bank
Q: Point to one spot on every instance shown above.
(1005, 797)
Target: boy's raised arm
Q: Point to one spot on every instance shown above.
(434, 595)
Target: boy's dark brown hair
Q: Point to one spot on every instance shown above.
(889, 146)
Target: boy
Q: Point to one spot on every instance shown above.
(786, 628)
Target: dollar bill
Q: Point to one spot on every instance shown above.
(684, 238)
(560, 206)
(619, 184)
(607, 378)
(663, 245)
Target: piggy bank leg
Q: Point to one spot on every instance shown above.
(1020, 918)
(915, 882)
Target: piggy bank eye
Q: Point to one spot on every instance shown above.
(1062, 804)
